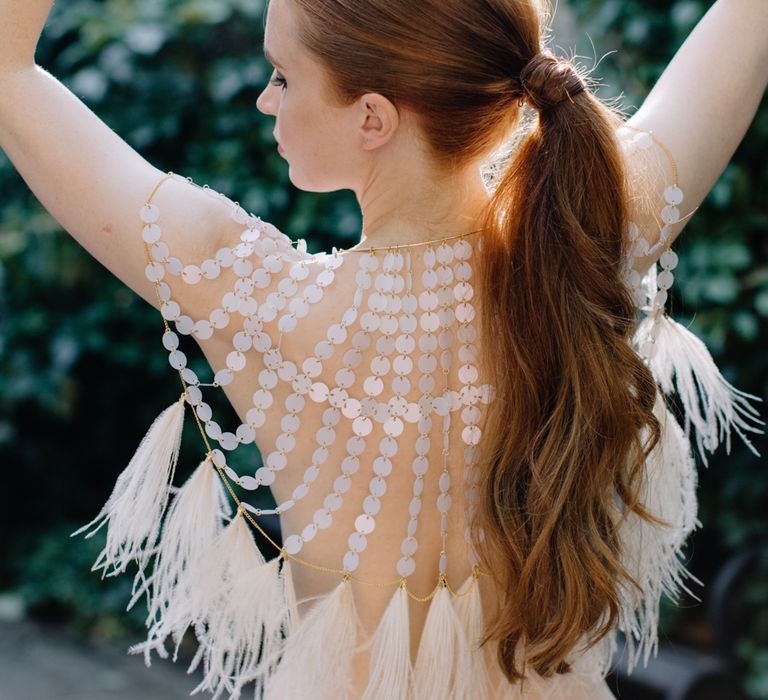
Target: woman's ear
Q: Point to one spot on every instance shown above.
(379, 120)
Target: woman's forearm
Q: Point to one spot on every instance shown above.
(21, 24)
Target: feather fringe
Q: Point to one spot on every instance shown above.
(286, 616)
(391, 673)
(653, 553)
(591, 664)
(238, 613)
(469, 609)
(442, 638)
(135, 507)
(193, 523)
(289, 591)
(711, 404)
(318, 656)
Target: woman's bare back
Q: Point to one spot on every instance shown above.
(327, 548)
(316, 569)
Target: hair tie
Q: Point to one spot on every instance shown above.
(547, 81)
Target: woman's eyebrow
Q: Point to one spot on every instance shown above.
(271, 58)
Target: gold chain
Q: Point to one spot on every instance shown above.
(407, 245)
(241, 510)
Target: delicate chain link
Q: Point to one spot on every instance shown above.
(341, 251)
(407, 245)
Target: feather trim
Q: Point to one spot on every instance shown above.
(442, 638)
(652, 553)
(469, 608)
(391, 673)
(237, 609)
(291, 621)
(135, 507)
(194, 521)
(711, 404)
(318, 656)
(280, 622)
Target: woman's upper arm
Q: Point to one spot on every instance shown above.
(702, 105)
(94, 184)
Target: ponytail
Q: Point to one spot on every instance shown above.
(564, 433)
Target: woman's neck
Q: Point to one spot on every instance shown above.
(419, 210)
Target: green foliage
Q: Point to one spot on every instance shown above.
(752, 650)
(56, 581)
(81, 370)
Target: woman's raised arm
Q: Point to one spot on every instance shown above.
(87, 177)
(705, 100)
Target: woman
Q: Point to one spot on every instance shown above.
(488, 454)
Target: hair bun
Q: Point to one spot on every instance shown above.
(547, 80)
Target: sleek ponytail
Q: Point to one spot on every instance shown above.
(561, 441)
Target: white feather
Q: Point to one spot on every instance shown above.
(711, 404)
(317, 662)
(135, 507)
(653, 553)
(194, 521)
(216, 580)
(442, 638)
(391, 673)
(289, 590)
(239, 614)
(469, 609)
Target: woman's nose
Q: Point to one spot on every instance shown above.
(263, 103)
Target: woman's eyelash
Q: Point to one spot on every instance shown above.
(278, 80)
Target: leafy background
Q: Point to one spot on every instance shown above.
(81, 370)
